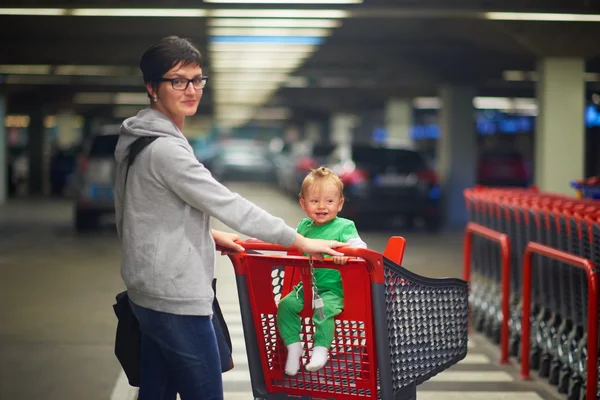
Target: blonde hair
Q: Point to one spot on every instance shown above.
(320, 177)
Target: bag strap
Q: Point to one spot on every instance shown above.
(135, 149)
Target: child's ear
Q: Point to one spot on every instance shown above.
(341, 205)
(302, 204)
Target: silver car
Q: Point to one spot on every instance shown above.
(94, 182)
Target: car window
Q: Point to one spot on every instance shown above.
(501, 155)
(103, 146)
(404, 161)
(322, 149)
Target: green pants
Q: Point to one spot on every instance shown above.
(289, 324)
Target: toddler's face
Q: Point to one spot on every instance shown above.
(322, 204)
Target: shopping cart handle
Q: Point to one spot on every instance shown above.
(258, 245)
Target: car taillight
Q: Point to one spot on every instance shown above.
(83, 163)
(305, 164)
(353, 177)
(519, 171)
(429, 176)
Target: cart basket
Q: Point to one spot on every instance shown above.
(397, 330)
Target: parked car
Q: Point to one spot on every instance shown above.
(500, 167)
(94, 181)
(382, 183)
(296, 161)
(62, 167)
(242, 160)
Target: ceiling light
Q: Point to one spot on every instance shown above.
(139, 12)
(94, 98)
(426, 103)
(260, 40)
(533, 76)
(261, 47)
(320, 2)
(252, 86)
(16, 121)
(514, 76)
(249, 100)
(264, 57)
(307, 32)
(550, 17)
(294, 14)
(274, 23)
(33, 11)
(297, 82)
(256, 64)
(36, 80)
(242, 78)
(25, 69)
(131, 98)
(273, 113)
(92, 70)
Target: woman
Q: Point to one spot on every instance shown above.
(168, 248)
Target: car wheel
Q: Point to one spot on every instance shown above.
(433, 224)
(85, 221)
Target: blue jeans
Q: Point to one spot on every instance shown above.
(179, 355)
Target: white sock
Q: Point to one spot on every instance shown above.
(318, 359)
(292, 364)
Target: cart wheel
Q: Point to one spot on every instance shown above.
(479, 323)
(563, 380)
(514, 346)
(582, 393)
(544, 370)
(535, 358)
(495, 334)
(554, 374)
(575, 385)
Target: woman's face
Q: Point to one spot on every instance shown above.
(178, 104)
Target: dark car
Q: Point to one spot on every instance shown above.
(382, 183)
(62, 167)
(94, 182)
(503, 167)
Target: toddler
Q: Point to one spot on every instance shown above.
(321, 198)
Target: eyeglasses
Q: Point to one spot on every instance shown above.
(183, 83)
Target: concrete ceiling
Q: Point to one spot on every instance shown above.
(385, 48)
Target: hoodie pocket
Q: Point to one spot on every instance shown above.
(194, 279)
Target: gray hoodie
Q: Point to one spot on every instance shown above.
(168, 253)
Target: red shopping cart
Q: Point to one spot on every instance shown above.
(397, 330)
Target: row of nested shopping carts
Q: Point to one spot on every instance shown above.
(530, 257)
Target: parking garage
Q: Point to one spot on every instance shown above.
(478, 93)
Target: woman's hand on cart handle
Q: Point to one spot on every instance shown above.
(317, 247)
(228, 243)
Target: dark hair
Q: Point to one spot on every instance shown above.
(165, 54)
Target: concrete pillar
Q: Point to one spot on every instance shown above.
(369, 127)
(68, 134)
(560, 130)
(312, 131)
(3, 154)
(398, 121)
(36, 136)
(88, 124)
(457, 151)
(342, 128)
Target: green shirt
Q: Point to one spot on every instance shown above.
(339, 229)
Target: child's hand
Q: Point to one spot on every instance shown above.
(340, 260)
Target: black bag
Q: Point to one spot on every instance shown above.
(222, 333)
(128, 338)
